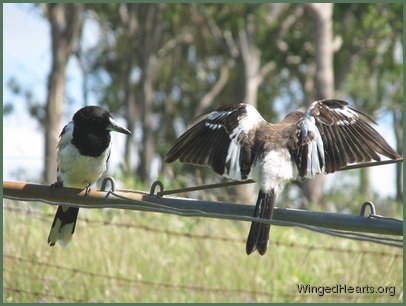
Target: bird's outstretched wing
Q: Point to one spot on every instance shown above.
(331, 135)
(221, 139)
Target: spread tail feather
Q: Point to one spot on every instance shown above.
(258, 236)
(63, 225)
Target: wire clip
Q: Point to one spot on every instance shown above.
(153, 187)
(371, 207)
(112, 183)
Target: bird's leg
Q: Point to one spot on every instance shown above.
(88, 189)
(56, 185)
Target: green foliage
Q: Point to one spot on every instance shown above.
(372, 36)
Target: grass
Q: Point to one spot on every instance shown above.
(110, 263)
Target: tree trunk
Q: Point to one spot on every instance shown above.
(254, 75)
(323, 13)
(128, 18)
(147, 127)
(65, 21)
(324, 50)
(150, 34)
(365, 183)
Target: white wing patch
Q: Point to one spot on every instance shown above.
(218, 114)
(212, 125)
(341, 115)
(315, 146)
(349, 114)
(245, 124)
(233, 158)
(251, 119)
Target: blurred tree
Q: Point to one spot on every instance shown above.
(163, 64)
(324, 78)
(65, 23)
(133, 60)
(129, 23)
(149, 41)
(369, 65)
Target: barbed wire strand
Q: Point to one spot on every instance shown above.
(224, 291)
(68, 283)
(162, 208)
(46, 218)
(143, 282)
(181, 287)
(42, 294)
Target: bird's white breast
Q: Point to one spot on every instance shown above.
(74, 169)
(275, 169)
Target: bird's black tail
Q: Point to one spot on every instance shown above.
(258, 237)
(63, 226)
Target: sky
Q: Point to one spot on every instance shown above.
(26, 57)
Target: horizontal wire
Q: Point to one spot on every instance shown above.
(148, 283)
(336, 233)
(72, 282)
(373, 216)
(223, 291)
(355, 236)
(199, 213)
(46, 218)
(367, 236)
(250, 181)
(42, 294)
(204, 187)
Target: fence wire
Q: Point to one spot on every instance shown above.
(41, 295)
(46, 217)
(337, 233)
(143, 282)
(166, 205)
(160, 285)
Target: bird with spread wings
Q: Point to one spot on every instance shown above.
(239, 144)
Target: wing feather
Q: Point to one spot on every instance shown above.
(220, 139)
(346, 134)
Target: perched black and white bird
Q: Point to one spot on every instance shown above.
(83, 152)
(238, 143)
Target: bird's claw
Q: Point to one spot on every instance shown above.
(88, 189)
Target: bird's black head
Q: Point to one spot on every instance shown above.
(96, 119)
(91, 132)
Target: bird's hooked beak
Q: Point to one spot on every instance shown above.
(114, 126)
